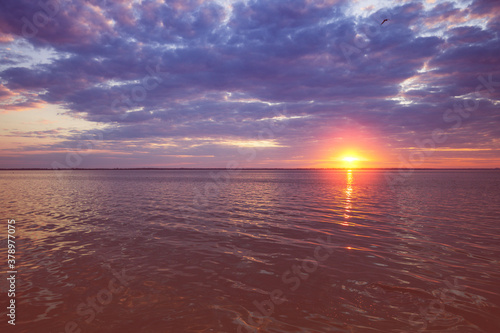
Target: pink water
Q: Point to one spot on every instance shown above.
(260, 251)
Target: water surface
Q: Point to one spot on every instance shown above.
(257, 251)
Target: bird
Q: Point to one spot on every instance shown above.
(385, 20)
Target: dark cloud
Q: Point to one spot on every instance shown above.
(469, 35)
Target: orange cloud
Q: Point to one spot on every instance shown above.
(6, 38)
(14, 101)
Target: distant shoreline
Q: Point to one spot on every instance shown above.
(243, 169)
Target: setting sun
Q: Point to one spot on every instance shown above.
(350, 159)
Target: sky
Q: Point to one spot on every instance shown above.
(256, 83)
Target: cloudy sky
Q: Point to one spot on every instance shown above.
(265, 83)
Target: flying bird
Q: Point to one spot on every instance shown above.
(385, 20)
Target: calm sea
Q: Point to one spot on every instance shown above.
(254, 251)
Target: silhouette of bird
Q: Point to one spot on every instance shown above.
(385, 20)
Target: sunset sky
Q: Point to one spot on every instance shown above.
(265, 83)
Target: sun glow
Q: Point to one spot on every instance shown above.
(350, 159)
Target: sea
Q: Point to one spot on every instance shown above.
(250, 251)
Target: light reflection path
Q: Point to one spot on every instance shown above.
(348, 198)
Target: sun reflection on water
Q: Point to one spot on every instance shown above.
(348, 198)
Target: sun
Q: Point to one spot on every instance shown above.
(350, 159)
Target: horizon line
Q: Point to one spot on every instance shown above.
(151, 168)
